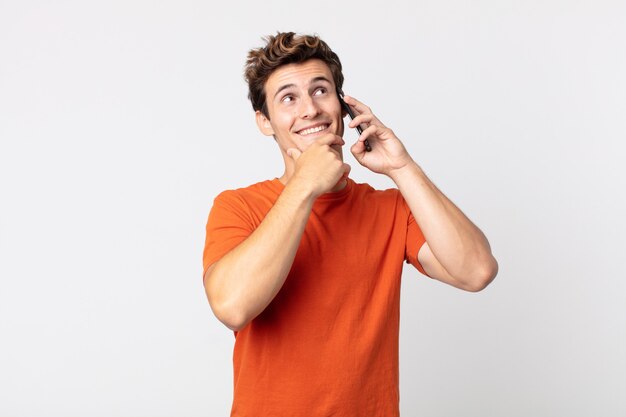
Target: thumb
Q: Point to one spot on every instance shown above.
(294, 153)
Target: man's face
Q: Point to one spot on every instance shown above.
(302, 104)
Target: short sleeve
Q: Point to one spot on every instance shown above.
(228, 225)
(414, 239)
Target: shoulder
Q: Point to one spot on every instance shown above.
(385, 202)
(250, 203)
(366, 191)
(264, 190)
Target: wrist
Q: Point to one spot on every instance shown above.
(301, 190)
(408, 171)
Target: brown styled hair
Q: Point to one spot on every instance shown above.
(285, 48)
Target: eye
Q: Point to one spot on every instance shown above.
(320, 91)
(287, 98)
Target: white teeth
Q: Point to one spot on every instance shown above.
(312, 130)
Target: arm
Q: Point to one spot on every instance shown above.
(456, 252)
(244, 281)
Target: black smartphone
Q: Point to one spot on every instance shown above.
(348, 110)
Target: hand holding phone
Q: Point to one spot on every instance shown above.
(348, 110)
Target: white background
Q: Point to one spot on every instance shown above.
(120, 121)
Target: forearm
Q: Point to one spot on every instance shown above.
(241, 284)
(459, 246)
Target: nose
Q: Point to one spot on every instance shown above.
(308, 108)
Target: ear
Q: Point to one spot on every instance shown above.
(264, 124)
(343, 106)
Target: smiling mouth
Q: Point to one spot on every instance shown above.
(312, 130)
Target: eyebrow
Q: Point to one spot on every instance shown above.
(316, 79)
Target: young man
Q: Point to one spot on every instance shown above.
(306, 268)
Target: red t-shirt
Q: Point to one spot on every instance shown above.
(327, 345)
